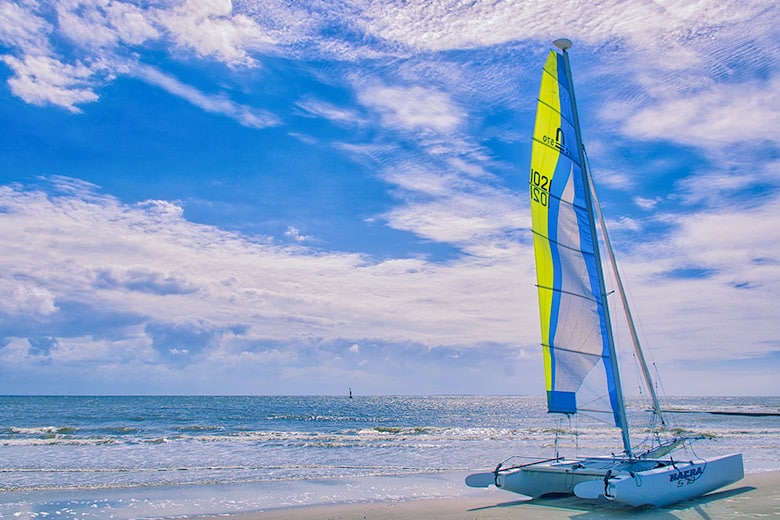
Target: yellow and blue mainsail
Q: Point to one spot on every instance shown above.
(576, 338)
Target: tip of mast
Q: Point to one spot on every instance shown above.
(563, 44)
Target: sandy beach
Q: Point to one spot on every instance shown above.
(756, 496)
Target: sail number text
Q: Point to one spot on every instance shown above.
(687, 477)
(539, 185)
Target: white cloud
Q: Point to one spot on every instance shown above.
(331, 112)
(723, 114)
(138, 261)
(217, 103)
(726, 310)
(103, 34)
(413, 108)
(130, 23)
(654, 45)
(666, 31)
(645, 203)
(467, 220)
(20, 298)
(447, 25)
(41, 80)
(415, 178)
(211, 29)
(731, 240)
(454, 200)
(103, 25)
(252, 302)
(22, 29)
(295, 234)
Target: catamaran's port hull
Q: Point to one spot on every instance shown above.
(553, 478)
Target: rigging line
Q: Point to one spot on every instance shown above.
(648, 352)
(659, 382)
(638, 377)
(624, 301)
(576, 435)
(596, 398)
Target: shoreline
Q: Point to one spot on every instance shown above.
(403, 497)
(757, 495)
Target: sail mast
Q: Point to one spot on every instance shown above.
(564, 44)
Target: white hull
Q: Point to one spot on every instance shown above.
(635, 482)
(668, 484)
(552, 478)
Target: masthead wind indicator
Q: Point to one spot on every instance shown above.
(563, 44)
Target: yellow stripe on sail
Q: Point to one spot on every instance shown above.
(544, 159)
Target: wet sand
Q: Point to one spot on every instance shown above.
(756, 496)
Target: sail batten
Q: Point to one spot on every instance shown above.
(569, 293)
(563, 349)
(561, 244)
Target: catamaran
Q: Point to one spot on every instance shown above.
(578, 344)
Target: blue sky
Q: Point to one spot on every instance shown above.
(298, 197)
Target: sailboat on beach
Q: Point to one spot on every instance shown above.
(577, 334)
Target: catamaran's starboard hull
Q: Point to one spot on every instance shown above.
(539, 482)
(665, 485)
(545, 477)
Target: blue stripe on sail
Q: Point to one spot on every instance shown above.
(563, 171)
(588, 246)
(566, 109)
(555, 255)
(562, 402)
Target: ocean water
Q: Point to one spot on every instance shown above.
(133, 457)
